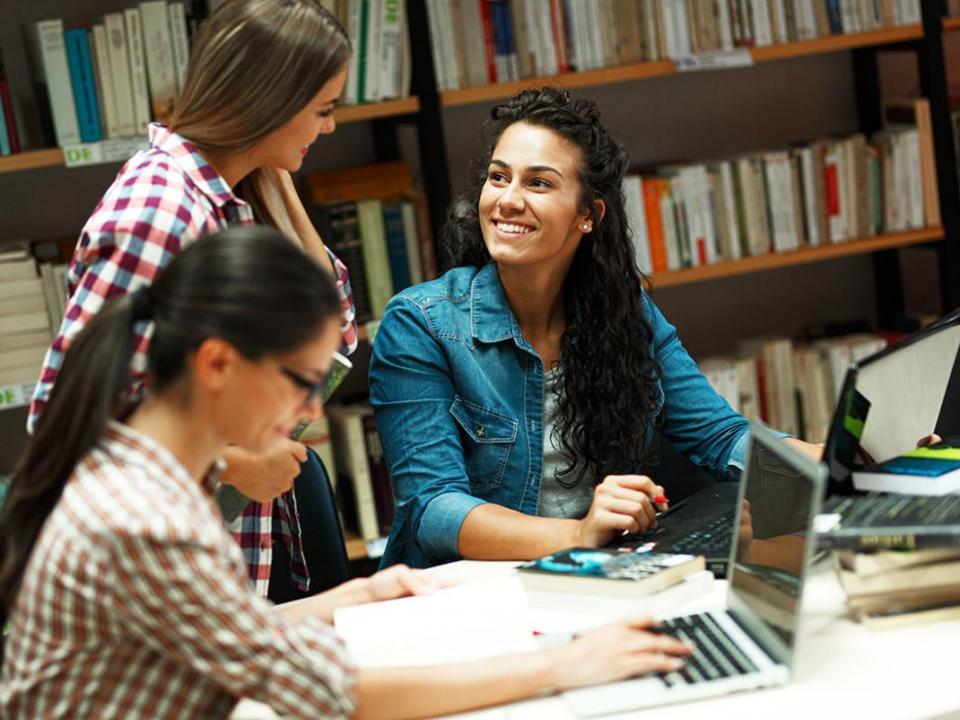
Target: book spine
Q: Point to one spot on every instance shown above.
(390, 67)
(396, 246)
(411, 239)
(4, 136)
(81, 79)
(486, 18)
(120, 72)
(874, 539)
(158, 49)
(375, 264)
(104, 78)
(56, 72)
(138, 71)
(7, 110)
(178, 39)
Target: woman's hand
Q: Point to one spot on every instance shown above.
(400, 581)
(263, 476)
(621, 503)
(614, 652)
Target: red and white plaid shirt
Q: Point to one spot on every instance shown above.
(135, 603)
(162, 199)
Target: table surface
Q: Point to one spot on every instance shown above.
(843, 669)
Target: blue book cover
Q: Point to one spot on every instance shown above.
(834, 18)
(84, 89)
(4, 137)
(396, 245)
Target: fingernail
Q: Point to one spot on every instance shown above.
(662, 499)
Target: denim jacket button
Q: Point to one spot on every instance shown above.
(481, 431)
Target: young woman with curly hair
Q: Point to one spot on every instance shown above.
(518, 395)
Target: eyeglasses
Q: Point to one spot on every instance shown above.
(312, 388)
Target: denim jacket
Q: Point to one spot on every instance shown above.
(458, 396)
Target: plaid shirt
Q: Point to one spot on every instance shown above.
(135, 604)
(162, 199)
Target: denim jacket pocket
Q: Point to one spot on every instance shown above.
(488, 437)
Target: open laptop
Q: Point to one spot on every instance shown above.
(887, 402)
(751, 643)
(906, 391)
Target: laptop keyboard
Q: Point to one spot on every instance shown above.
(715, 656)
(895, 510)
(713, 539)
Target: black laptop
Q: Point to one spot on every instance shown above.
(700, 524)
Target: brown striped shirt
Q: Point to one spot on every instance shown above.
(136, 604)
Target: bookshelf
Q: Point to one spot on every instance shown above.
(775, 260)
(951, 24)
(53, 157)
(646, 70)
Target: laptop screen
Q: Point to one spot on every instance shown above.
(895, 397)
(780, 495)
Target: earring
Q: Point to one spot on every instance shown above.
(585, 227)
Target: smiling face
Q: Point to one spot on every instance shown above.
(286, 146)
(529, 208)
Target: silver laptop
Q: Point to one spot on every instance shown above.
(752, 643)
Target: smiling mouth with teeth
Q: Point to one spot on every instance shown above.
(513, 229)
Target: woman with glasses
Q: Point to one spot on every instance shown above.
(124, 595)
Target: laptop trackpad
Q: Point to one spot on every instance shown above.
(614, 697)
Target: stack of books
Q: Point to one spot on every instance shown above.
(896, 587)
(25, 322)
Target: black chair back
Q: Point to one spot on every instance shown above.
(323, 545)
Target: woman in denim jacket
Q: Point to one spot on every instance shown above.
(515, 394)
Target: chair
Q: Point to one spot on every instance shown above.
(323, 546)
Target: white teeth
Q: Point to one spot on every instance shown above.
(516, 229)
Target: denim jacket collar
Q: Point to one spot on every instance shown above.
(491, 318)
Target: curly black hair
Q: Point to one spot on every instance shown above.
(607, 389)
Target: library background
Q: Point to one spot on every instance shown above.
(795, 198)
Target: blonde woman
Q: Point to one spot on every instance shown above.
(263, 80)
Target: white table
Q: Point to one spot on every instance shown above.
(844, 670)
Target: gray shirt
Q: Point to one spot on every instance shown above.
(555, 499)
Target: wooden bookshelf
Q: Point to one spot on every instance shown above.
(772, 261)
(372, 111)
(641, 71)
(951, 24)
(31, 160)
(53, 157)
(836, 43)
(587, 78)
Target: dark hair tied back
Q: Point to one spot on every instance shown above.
(608, 389)
(248, 286)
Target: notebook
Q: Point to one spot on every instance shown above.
(751, 643)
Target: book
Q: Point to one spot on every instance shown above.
(931, 470)
(84, 88)
(865, 564)
(607, 571)
(52, 81)
(138, 71)
(120, 71)
(158, 50)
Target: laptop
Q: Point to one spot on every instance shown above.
(906, 391)
(700, 524)
(887, 402)
(751, 643)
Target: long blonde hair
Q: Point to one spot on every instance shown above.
(253, 66)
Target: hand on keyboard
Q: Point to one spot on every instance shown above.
(615, 652)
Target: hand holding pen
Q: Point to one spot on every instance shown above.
(621, 503)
